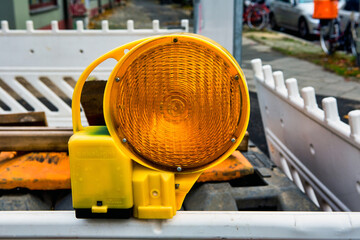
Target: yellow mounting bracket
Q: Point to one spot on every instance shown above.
(116, 54)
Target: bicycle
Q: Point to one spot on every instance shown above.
(355, 39)
(332, 38)
(256, 15)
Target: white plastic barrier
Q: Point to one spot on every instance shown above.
(38, 68)
(320, 153)
(184, 225)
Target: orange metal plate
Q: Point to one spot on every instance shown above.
(35, 171)
(233, 167)
(51, 171)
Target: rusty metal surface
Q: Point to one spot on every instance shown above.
(233, 167)
(50, 171)
(265, 188)
(7, 155)
(35, 171)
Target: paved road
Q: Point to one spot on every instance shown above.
(143, 12)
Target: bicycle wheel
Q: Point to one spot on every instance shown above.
(257, 18)
(355, 50)
(353, 41)
(329, 34)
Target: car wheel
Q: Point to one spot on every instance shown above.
(303, 28)
(273, 23)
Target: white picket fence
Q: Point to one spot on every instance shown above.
(315, 149)
(39, 68)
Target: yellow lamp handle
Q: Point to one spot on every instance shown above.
(116, 54)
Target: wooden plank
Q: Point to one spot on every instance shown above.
(92, 101)
(34, 139)
(243, 147)
(36, 129)
(23, 119)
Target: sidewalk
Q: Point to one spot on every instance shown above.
(143, 12)
(306, 73)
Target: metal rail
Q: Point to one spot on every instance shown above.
(34, 139)
(185, 225)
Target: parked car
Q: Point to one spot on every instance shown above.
(295, 15)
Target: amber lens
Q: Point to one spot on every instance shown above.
(177, 103)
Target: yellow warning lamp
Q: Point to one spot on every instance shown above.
(174, 105)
